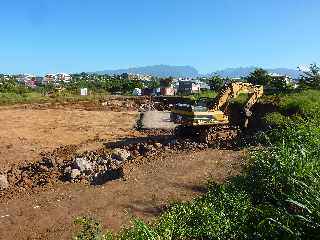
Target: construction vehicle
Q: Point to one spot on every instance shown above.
(207, 119)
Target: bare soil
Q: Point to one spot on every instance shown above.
(25, 133)
(148, 187)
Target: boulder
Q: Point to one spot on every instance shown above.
(157, 145)
(75, 173)
(120, 154)
(67, 171)
(150, 147)
(4, 184)
(83, 165)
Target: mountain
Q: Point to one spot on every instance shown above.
(188, 71)
(157, 70)
(244, 71)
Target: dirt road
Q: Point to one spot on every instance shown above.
(145, 191)
(156, 120)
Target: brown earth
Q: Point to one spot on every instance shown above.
(144, 192)
(148, 186)
(25, 133)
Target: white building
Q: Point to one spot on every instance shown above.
(63, 77)
(288, 80)
(57, 77)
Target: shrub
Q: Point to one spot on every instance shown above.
(90, 230)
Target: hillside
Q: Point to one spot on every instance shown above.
(157, 70)
(189, 71)
(244, 71)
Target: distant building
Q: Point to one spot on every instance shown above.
(138, 77)
(204, 86)
(167, 91)
(49, 78)
(281, 81)
(28, 80)
(57, 77)
(287, 79)
(151, 91)
(63, 77)
(189, 87)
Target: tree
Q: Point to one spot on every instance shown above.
(153, 83)
(282, 83)
(216, 82)
(311, 78)
(166, 82)
(259, 77)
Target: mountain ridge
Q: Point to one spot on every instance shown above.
(157, 70)
(163, 70)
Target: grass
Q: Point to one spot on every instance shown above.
(37, 97)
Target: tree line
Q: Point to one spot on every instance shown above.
(308, 80)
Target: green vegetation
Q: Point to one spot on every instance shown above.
(311, 79)
(277, 196)
(12, 92)
(166, 82)
(259, 77)
(216, 82)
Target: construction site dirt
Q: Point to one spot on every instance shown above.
(39, 144)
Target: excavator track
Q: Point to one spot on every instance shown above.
(207, 134)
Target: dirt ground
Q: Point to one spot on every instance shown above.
(144, 192)
(148, 185)
(25, 133)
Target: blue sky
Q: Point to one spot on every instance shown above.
(39, 36)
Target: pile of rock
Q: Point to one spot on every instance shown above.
(96, 169)
(30, 175)
(154, 147)
(91, 167)
(120, 105)
(149, 106)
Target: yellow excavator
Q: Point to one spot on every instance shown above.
(207, 119)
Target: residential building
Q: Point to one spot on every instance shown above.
(63, 77)
(56, 77)
(189, 87)
(167, 91)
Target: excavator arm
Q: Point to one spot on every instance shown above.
(232, 90)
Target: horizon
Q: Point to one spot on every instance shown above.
(199, 73)
(82, 36)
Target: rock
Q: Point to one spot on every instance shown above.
(75, 173)
(28, 182)
(120, 154)
(150, 148)
(135, 153)
(102, 161)
(83, 165)
(157, 145)
(4, 184)
(43, 168)
(67, 171)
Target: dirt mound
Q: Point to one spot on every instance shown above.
(57, 166)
